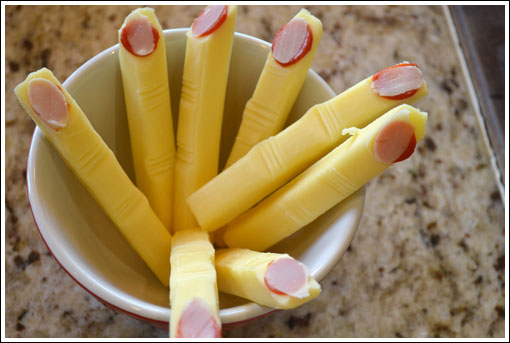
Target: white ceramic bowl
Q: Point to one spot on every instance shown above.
(86, 243)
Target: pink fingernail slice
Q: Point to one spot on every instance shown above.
(48, 102)
(197, 321)
(398, 82)
(394, 142)
(209, 20)
(292, 42)
(139, 37)
(285, 276)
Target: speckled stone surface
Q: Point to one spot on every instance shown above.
(428, 257)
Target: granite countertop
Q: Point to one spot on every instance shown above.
(428, 257)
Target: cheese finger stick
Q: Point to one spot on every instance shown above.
(193, 290)
(204, 85)
(274, 280)
(275, 160)
(387, 140)
(67, 128)
(279, 84)
(142, 56)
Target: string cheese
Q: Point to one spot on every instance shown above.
(390, 138)
(193, 289)
(142, 56)
(277, 159)
(279, 84)
(69, 131)
(204, 85)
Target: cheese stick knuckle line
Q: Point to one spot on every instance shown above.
(279, 84)
(205, 76)
(142, 57)
(259, 116)
(90, 161)
(95, 165)
(160, 165)
(193, 289)
(295, 211)
(389, 139)
(337, 181)
(300, 145)
(272, 156)
(331, 123)
(269, 279)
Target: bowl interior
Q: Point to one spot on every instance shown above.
(88, 245)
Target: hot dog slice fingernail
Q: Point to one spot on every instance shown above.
(48, 102)
(139, 37)
(286, 276)
(197, 321)
(395, 142)
(398, 82)
(292, 42)
(209, 20)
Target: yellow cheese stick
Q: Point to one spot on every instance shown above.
(274, 280)
(193, 290)
(204, 85)
(279, 84)
(389, 139)
(275, 160)
(67, 128)
(142, 56)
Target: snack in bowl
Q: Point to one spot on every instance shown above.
(286, 282)
(277, 159)
(204, 83)
(142, 58)
(67, 128)
(282, 78)
(88, 245)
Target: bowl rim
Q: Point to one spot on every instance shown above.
(233, 316)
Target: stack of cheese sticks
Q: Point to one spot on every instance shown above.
(201, 232)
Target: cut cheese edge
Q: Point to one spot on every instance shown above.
(95, 165)
(147, 97)
(197, 321)
(288, 277)
(255, 276)
(193, 289)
